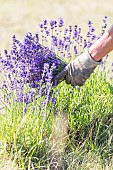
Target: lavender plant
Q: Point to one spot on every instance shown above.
(31, 65)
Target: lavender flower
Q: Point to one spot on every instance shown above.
(60, 22)
(53, 24)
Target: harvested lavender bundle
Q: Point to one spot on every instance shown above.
(30, 63)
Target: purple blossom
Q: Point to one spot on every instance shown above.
(5, 52)
(45, 21)
(90, 23)
(65, 31)
(104, 19)
(92, 29)
(53, 100)
(53, 24)
(41, 25)
(47, 32)
(60, 22)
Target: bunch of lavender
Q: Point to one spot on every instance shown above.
(34, 62)
(29, 63)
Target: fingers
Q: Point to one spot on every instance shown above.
(60, 77)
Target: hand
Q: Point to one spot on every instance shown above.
(78, 71)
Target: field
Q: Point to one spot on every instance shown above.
(77, 131)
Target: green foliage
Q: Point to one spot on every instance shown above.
(78, 128)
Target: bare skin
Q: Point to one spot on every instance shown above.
(102, 46)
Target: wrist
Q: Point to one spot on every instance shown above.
(90, 60)
(94, 54)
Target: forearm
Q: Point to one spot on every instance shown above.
(102, 46)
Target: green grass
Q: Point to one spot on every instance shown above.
(76, 134)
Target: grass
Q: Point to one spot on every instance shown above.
(76, 134)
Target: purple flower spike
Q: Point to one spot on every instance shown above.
(5, 52)
(104, 19)
(41, 25)
(45, 21)
(61, 22)
(52, 24)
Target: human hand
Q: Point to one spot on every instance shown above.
(78, 71)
